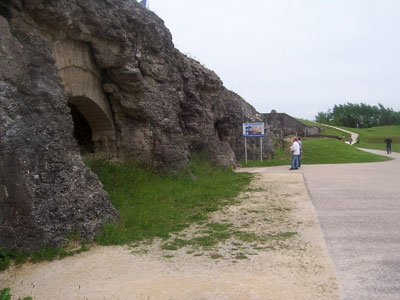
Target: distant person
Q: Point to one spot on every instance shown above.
(301, 150)
(388, 142)
(295, 151)
(350, 140)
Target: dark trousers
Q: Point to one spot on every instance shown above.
(389, 148)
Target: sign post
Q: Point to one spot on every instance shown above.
(245, 149)
(252, 130)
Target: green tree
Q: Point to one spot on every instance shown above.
(363, 115)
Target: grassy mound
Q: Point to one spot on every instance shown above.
(152, 206)
(320, 151)
(372, 138)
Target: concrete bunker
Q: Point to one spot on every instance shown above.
(91, 112)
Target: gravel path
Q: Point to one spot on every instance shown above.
(358, 206)
(272, 249)
(354, 136)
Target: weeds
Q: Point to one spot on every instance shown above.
(153, 205)
(8, 256)
(241, 256)
(47, 253)
(5, 295)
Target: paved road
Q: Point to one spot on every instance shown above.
(358, 206)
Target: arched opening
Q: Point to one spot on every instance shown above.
(92, 129)
(222, 130)
(82, 131)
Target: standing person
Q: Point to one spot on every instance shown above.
(295, 151)
(388, 142)
(350, 140)
(301, 151)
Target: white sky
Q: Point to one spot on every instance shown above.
(295, 56)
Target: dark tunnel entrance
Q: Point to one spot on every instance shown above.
(82, 131)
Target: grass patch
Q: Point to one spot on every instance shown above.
(333, 151)
(372, 138)
(247, 237)
(308, 122)
(8, 256)
(319, 151)
(210, 239)
(285, 235)
(335, 132)
(324, 129)
(241, 256)
(216, 256)
(5, 295)
(72, 247)
(152, 205)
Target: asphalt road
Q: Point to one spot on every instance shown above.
(358, 206)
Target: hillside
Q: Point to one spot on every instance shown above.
(101, 78)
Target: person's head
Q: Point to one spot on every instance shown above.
(299, 138)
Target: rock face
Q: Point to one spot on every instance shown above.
(46, 191)
(111, 64)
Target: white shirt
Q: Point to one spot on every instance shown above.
(295, 148)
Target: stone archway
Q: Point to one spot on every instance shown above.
(82, 130)
(83, 84)
(102, 131)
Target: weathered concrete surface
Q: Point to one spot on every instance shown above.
(358, 206)
(118, 64)
(46, 191)
(83, 83)
(283, 125)
(134, 93)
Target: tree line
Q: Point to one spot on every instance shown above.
(359, 115)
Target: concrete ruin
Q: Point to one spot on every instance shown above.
(83, 84)
(98, 76)
(282, 125)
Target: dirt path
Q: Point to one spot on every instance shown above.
(358, 207)
(270, 247)
(354, 136)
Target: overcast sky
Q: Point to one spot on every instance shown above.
(294, 56)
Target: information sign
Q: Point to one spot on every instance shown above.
(253, 129)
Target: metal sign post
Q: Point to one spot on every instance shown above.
(245, 149)
(261, 147)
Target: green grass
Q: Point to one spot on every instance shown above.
(7, 257)
(5, 295)
(372, 138)
(325, 130)
(308, 122)
(320, 151)
(152, 205)
(332, 131)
